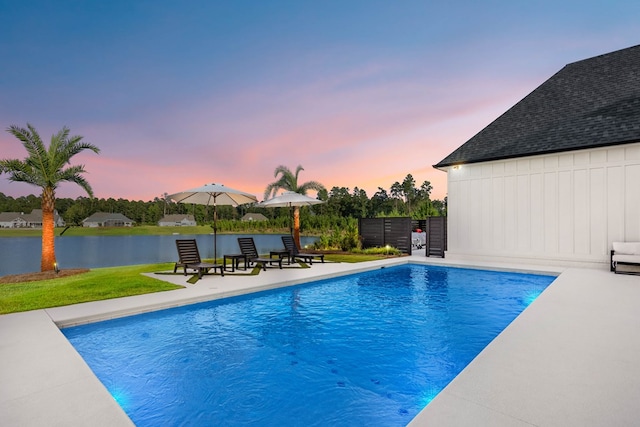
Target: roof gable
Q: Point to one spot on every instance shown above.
(252, 216)
(34, 216)
(10, 216)
(587, 104)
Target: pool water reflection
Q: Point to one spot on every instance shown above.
(367, 349)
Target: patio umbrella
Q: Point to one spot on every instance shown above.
(214, 194)
(289, 199)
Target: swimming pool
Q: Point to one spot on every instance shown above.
(367, 349)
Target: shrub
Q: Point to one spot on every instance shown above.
(340, 238)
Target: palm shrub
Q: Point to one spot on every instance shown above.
(48, 167)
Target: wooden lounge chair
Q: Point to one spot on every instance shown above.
(248, 248)
(291, 246)
(189, 257)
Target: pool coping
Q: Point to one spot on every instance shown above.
(45, 381)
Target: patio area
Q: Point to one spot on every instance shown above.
(568, 360)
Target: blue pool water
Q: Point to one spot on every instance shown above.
(368, 349)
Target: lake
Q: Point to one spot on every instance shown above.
(22, 254)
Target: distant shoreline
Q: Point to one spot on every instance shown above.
(144, 230)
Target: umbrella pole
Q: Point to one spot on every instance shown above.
(215, 232)
(291, 219)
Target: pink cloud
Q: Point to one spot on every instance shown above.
(344, 133)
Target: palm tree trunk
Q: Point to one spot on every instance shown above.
(48, 260)
(296, 225)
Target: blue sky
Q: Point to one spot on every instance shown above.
(360, 93)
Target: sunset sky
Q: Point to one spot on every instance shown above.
(360, 93)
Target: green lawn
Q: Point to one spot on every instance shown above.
(97, 284)
(104, 283)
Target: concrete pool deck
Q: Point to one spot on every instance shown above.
(570, 359)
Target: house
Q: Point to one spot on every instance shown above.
(253, 217)
(104, 219)
(34, 219)
(554, 180)
(177, 220)
(12, 220)
(30, 220)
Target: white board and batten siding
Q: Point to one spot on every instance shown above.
(557, 209)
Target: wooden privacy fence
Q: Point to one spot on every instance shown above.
(380, 232)
(396, 232)
(436, 236)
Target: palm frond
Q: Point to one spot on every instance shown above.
(31, 141)
(311, 185)
(25, 137)
(38, 152)
(289, 181)
(57, 142)
(82, 182)
(68, 173)
(75, 145)
(281, 170)
(272, 190)
(44, 166)
(19, 171)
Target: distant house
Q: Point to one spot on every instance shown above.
(104, 219)
(12, 220)
(30, 220)
(254, 217)
(554, 180)
(34, 219)
(177, 220)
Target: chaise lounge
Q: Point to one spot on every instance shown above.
(291, 246)
(189, 257)
(625, 253)
(248, 249)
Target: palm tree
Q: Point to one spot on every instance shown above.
(45, 168)
(288, 181)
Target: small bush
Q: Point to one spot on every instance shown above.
(350, 238)
(344, 238)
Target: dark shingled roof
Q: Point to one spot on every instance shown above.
(591, 103)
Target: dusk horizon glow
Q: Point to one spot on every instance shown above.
(359, 94)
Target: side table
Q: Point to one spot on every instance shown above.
(282, 254)
(235, 261)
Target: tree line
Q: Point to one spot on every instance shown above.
(402, 199)
(48, 167)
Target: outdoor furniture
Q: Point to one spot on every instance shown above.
(282, 254)
(235, 261)
(189, 257)
(418, 239)
(248, 248)
(216, 195)
(291, 246)
(625, 253)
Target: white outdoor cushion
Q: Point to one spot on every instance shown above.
(629, 248)
(627, 258)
